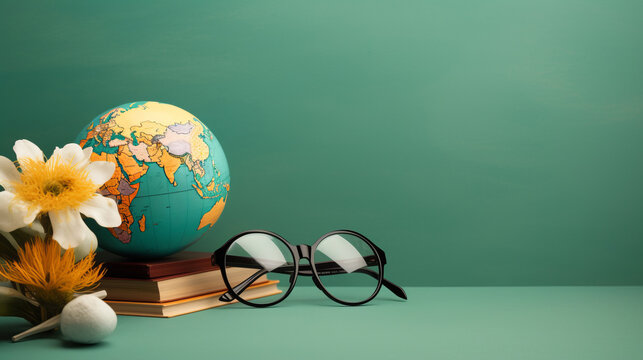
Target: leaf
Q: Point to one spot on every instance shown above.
(8, 250)
(22, 236)
(11, 242)
(13, 303)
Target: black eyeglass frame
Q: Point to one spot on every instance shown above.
(305, 252)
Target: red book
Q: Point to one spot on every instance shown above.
(181, 263)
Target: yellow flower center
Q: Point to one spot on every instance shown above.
(54, 185)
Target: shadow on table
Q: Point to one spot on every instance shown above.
(72, 345)
(11, 328)
(316, 300)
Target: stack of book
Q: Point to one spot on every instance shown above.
(177, 285)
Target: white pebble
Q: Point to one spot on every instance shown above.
(87, 319)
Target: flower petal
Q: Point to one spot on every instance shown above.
(14, 213)
(88, 244)
(25, 149)
(104, 210)
(70, 230)
(88, 152)
(35, 229)
(71, 153)
(100, 171)
(8, 173)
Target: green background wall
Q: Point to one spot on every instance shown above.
(480, 143)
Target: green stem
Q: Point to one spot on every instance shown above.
(46, 225)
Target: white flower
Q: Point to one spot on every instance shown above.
(64, 187)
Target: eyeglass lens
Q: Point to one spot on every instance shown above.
(347, 267)
(259, 268)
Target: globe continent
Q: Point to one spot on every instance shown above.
(171, 181)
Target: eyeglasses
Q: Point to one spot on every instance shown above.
(260, 268)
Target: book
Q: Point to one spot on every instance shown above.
(180, 263)
(189, 305)
(173, 287)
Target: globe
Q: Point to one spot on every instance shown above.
(171, 181)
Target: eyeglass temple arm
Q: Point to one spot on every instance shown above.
(331, 268)
(324, 268)
(227, 297)
(307, 271)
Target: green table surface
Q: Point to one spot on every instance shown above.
(435, 323)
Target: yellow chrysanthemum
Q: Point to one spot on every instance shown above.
(50, 276)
